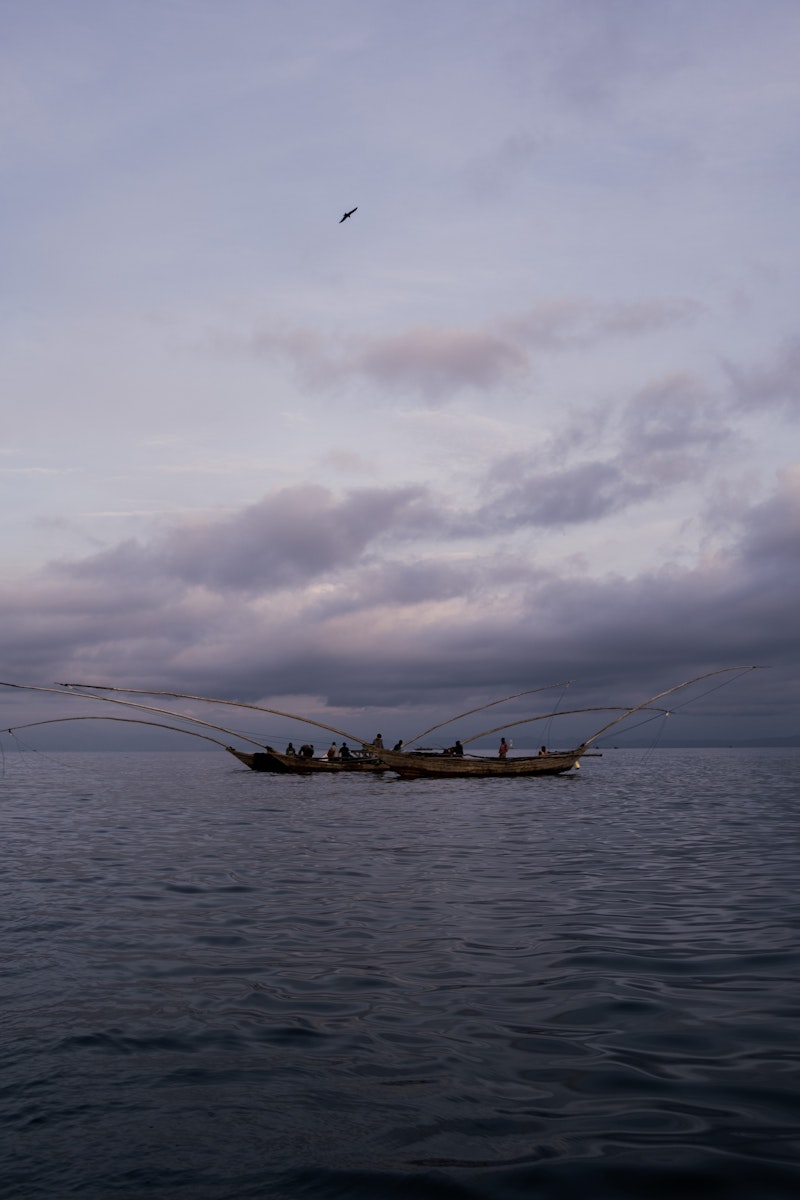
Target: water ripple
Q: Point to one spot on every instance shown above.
(221, 985)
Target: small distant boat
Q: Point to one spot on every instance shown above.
(275, 763)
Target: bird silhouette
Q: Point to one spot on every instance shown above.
(349, 214)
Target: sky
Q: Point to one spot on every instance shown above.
(529, 415)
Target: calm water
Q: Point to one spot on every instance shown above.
(221, 985)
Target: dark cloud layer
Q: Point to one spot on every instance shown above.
(287, 539)
(582, 493)
(371, 627)
(388, 600)
(664, 436)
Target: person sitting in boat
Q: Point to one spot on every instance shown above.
(332, 752)
(378, 743)
(290, 750)
(306, 751)
(542, 750)
(344, 753)
(398, 746)
(503, 751)
(458, 749)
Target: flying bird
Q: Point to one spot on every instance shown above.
(349, 214)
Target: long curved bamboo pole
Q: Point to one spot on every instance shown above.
(129, 720)
(645, 706)
(168, 712)
(562, 712)
(666, 692)
(276, 712)
(451, 720)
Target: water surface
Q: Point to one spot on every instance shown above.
(219, 985)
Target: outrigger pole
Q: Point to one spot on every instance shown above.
(561, 712)
(276, 712)
(661, 695)
(645, 706)
(130, 720)
(59, 691)
(451, 720)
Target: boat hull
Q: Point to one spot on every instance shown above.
(442, 766)
(274, 763)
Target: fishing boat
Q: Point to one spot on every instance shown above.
(428, 765)
(263, 759)
(420, 764)
(275, 763)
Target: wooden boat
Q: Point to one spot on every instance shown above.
(275, 763)
(410, 764)
(263, 759)
(423, 765)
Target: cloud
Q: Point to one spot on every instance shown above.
(665, 435)
(368, 620)
(290, 537)
(585, 492)
(432, 363)
(571, 322)
(674, 413)
(435, 363)
(438, 364)
(771, 538)
(773, 385)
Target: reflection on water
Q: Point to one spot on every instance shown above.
(218, 984)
